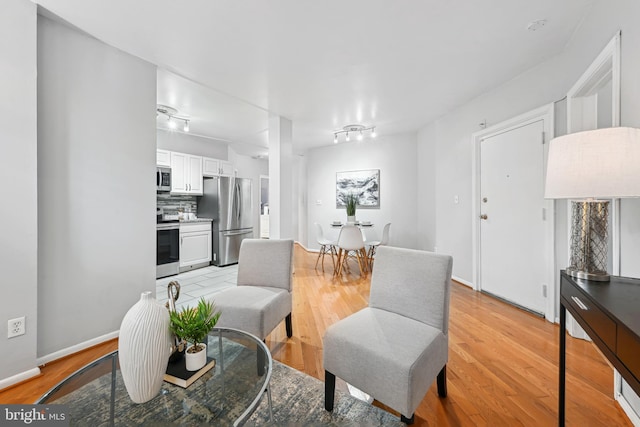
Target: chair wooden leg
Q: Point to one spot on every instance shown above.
(333, 252)
(442, 382)
(340, 262)
(329, 390)
(406, 420)
(319, 255)
(360, 261)
(287, 322)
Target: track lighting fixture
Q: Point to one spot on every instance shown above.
(172, 117)
(360, 129)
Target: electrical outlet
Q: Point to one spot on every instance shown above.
(16, 327)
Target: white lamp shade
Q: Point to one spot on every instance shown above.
(601, 163)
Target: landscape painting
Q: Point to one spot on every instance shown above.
(364, 184)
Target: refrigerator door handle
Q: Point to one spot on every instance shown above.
(236, 233)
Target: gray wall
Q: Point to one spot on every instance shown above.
(18, 143)
(540, 85)
(395, 156)
(96, 195)
(192, 144)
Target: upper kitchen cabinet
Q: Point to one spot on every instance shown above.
(226, 168)
(215, 167)
(186, 174)
(210, 167)
(163, 158)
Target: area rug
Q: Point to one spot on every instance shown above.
(298, 399)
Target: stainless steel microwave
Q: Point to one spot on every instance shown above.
(163, 179)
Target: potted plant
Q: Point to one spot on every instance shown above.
(351, 201)
(193, 325)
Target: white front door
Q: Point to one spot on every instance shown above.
(512, 229)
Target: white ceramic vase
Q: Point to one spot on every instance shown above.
(195, 361)
(144, 346)
(351, 219)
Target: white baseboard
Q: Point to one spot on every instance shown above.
(7, 382)
(306, 248)
(628, 410)
(464, 282)
(76, 348)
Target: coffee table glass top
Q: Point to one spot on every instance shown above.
(226, 395)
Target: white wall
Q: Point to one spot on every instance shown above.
(96, 195)
(540, 85)
(426, 153)
(192, 144)
(18, 144)
(248, 167)
(395, 156)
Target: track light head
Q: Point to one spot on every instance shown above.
(347, 138)
(186, 126)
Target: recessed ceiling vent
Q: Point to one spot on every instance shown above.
(536, 25)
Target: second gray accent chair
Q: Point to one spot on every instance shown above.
(262, 298)
(394, 348)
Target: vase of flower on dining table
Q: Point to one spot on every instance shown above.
(351, 202)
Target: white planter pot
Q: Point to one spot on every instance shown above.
(351, 219)
(143, 348)
(195, 361)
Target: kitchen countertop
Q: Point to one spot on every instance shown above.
(186, 221)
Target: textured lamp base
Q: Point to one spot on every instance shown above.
(589, 225)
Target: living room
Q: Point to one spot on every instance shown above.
(59, 262)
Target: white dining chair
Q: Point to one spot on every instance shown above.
(350, 242)
(373, 245)
(326, 247)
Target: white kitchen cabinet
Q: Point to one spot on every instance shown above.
(215, 167)
(226, 168)
(186, 174)
(195, 245)
(210, 167)
(163, 158)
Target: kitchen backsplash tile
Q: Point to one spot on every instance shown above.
(170, 204)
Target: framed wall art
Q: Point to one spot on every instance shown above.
(365, 184)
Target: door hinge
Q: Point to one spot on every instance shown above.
(543, 138)
(544, 214)
(544, 291)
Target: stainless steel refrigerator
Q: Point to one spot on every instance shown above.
(227, 200)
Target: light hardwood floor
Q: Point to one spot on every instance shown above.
(502, 368)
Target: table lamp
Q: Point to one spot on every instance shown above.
(591, 166)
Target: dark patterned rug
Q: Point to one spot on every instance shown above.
(298, 399)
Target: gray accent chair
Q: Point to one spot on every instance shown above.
(394, 348)
(262, 298)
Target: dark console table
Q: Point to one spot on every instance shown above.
(610, 313)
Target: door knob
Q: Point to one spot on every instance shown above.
(483, 216)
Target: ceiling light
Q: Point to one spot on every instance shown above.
(360, 129)
(172, 117)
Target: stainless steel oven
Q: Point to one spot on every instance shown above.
(168, 249)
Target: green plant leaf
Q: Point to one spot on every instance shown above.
(193, 324)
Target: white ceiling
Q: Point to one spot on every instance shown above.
(325, 64)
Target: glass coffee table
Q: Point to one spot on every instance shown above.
(226, 395)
